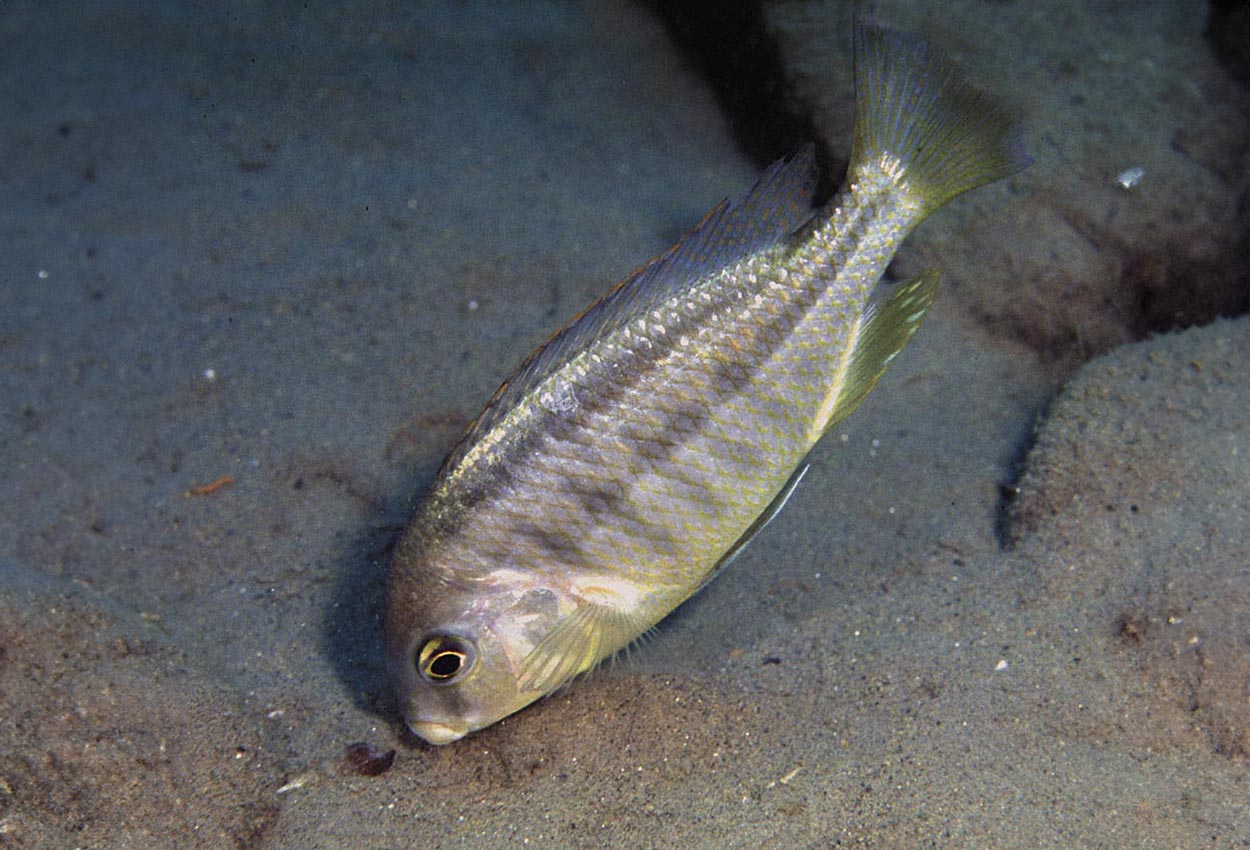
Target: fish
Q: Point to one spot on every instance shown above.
(635, 453)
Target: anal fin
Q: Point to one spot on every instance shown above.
(888, 324)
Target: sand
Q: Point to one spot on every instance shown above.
(260, 266)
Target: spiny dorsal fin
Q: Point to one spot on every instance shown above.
(778, 205)
(891, 319)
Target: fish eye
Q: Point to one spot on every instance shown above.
(444, 658)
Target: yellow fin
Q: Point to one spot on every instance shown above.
(576, 645)
(915, 115)
(889, 322)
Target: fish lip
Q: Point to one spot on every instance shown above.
(438, 733)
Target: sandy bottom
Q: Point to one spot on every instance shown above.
(260, 267)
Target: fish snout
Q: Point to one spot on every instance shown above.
(437, 732)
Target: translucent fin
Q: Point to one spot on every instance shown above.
(778, 205)
(761, 522)
(893, 315)
(595, 632)
(577, 643)
(914, 113)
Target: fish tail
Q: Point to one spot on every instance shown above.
(920, 122)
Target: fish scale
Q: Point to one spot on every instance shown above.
(634, 454)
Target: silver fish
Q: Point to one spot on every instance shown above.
(633, 455)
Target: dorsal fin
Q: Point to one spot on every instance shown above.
(778, 205)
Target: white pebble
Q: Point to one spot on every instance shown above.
(1130, 177)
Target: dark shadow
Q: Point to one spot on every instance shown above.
(729, 46)
(1007, 525)
(1228, 31)
(352, 622)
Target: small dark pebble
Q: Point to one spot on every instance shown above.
(368, 760)
(772, 659)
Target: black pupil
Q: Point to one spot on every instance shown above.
(446, 664)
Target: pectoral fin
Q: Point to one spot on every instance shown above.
(589, 634)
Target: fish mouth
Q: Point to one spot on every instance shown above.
(437, 733)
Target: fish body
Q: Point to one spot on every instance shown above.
(636, 452)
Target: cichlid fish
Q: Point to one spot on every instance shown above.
(635, 453)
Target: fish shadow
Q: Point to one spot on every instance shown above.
(351, 625)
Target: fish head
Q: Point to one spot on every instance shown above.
(455, 654)
(454, 679)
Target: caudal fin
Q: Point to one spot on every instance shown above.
(918, 119)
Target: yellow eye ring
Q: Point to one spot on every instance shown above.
(444, 658)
